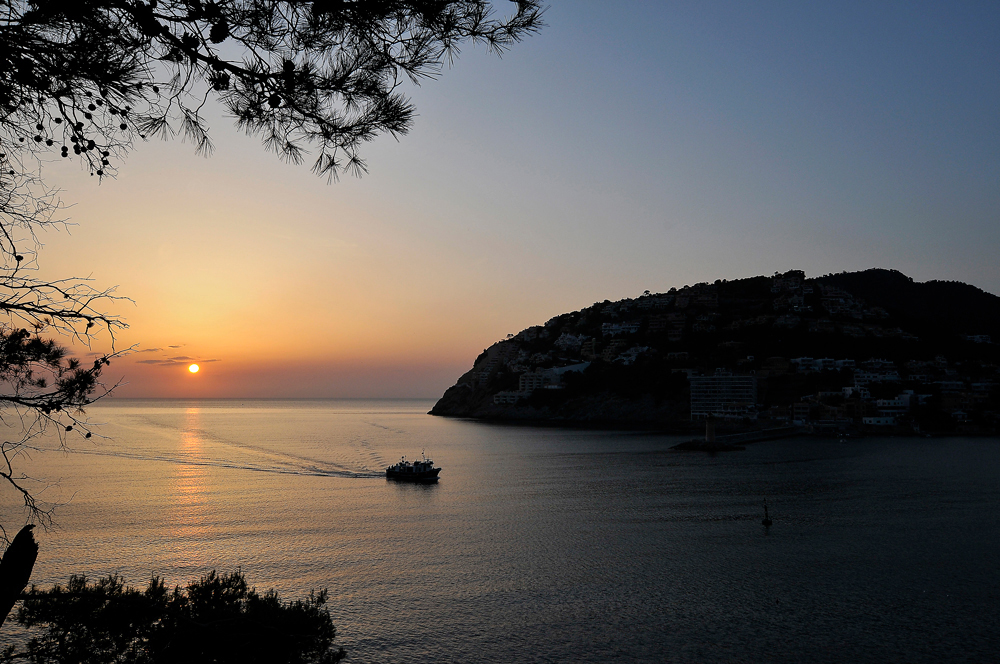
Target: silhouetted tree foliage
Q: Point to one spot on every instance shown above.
(89, 76)
(42, 386)
(218, 618)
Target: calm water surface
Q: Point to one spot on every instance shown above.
(544, 545)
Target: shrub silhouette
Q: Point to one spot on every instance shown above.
(219, 618)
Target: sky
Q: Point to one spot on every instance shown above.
(628, 146)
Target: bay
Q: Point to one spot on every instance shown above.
(541, 544)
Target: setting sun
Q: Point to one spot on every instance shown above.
(193, 368)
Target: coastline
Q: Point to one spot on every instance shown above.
(726, 436)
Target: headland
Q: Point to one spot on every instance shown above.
(854, 352)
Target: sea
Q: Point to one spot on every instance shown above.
(539, 544)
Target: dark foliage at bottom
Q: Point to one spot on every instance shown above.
(216, 619)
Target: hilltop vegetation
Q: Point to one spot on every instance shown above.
(833, 350)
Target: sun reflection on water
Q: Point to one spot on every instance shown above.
(189, 517)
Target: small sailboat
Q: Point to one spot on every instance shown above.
(767, 519)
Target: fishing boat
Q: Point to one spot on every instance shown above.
(422, 470)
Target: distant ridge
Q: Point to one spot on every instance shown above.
(871, 337)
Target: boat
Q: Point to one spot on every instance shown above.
(422, 470)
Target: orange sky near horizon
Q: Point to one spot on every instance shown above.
(283, 293)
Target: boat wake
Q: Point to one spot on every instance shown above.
(366, 450)
(150, 439)
(317, 469)
(385, 428)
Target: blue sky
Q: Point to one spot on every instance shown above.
(628, 146)
(735, 139)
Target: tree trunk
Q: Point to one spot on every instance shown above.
(15, 569)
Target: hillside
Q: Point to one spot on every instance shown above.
(863, 349)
